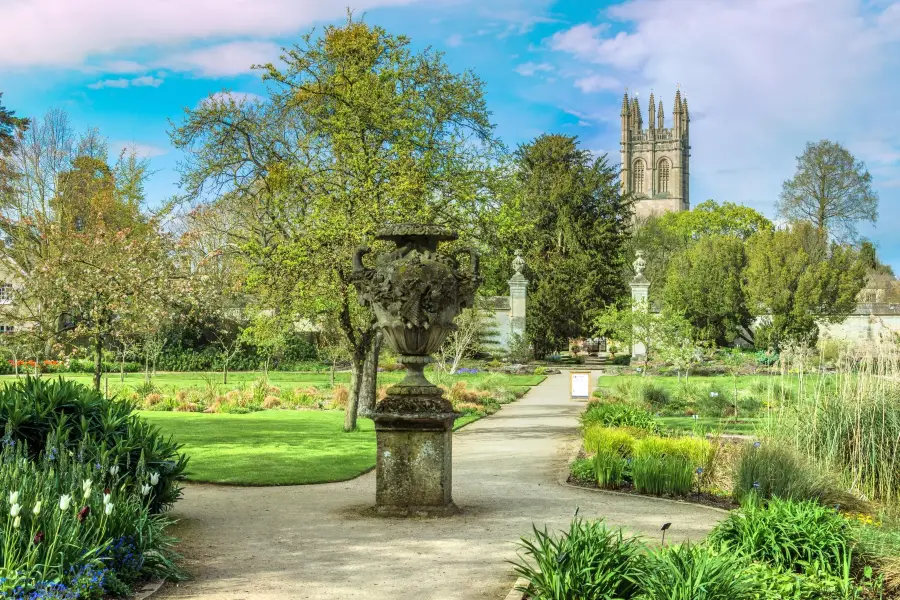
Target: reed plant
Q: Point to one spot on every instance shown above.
(847, 422)
(661, 474)
(609, 468)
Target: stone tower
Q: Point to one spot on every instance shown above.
(656, 160)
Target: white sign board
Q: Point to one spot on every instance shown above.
(581, 385)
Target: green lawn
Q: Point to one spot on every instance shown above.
(274, 447)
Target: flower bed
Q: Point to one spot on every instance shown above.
(84, 481)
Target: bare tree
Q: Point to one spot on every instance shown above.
(831, 190)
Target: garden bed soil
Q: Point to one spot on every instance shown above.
(703, 498)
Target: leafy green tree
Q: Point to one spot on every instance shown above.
(705, 284)
(10, 127)
(566, 213)
(659, 332)
(795, 278)
(831, 189)
(359, 131)
(662, 237)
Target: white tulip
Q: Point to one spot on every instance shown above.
(64, 501)
(16, 522)
(107, 498)
(108, 509)
(145, 489)
(114, 470)
(14, 510)
(154, 478)
(37, 508)
(13, 497)
(86, 485)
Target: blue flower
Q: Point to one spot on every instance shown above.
(699, 470)
(755, 485)
(756, 444)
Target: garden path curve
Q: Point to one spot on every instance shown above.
(315, 541)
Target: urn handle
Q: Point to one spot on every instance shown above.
(358, 265)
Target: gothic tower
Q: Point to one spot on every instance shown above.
(656, 160)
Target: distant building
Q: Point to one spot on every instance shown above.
(656, 160)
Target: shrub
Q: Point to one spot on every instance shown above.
(619, 415)
(609, 468)
(44, 413)
(695, 450)
(789, 535)
(774, 471)
(598, 437)
(271, 402)
(659, 475)
(582, 469)
(589, 561)
(655, 396)
(695, 572)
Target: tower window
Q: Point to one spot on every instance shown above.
(663, 176)
(6, 293)
(638, 177)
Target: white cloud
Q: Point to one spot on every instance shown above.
(455, 40)
(145, 81)
(763, 77)
(595, 83)
(223, 60)
(141, 150)
(530, 68)
(67, 32)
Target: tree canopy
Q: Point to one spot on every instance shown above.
(831, 189)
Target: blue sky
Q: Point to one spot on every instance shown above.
(763, 76)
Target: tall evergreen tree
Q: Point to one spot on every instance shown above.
(567, 215)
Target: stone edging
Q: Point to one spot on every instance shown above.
(148, 589)
(515, 594)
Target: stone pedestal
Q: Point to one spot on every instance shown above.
(640, 292)
(415, 458)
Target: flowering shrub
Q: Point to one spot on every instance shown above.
(69, 530)
(62, 416)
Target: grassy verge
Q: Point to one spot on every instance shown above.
(272, 447)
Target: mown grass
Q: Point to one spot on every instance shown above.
(271, 447)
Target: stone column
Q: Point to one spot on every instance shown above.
(518, 290)
(640, 289)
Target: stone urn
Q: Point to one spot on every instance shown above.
(415, 293)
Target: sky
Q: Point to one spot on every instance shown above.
(763, 77)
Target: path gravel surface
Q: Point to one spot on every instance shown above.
(320, 541)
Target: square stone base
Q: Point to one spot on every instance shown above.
(414, 471)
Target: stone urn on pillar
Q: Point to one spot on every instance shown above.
(415, 293)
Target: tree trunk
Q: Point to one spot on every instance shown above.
(16, 363)
(98, 361)
(122, 367)
(225, 372)
(333, 367)
(368, 390)
(357, 363)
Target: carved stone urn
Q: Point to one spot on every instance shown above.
(415, 293)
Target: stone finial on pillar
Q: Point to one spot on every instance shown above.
(640, 288)
(518, 287)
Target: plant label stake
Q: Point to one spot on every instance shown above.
(663, 529)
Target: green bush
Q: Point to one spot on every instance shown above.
(621, 440)
(774, 471)
(582, 469)
(696, 572)
(789, 535)
(659, 475)
(619, 415)
(55, 413)
(609, 469)
(655, 396)
(590, 561)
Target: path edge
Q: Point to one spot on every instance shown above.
(149, 589)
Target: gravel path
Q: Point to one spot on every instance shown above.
(317, 541)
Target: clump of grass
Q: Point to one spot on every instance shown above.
(340, 396)
(790, 536)
(609, 468)
(619, 415)
(621, 440)
(849, 422)
(693, 572)
(588, 561)
(660, 475)
(772, 470)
